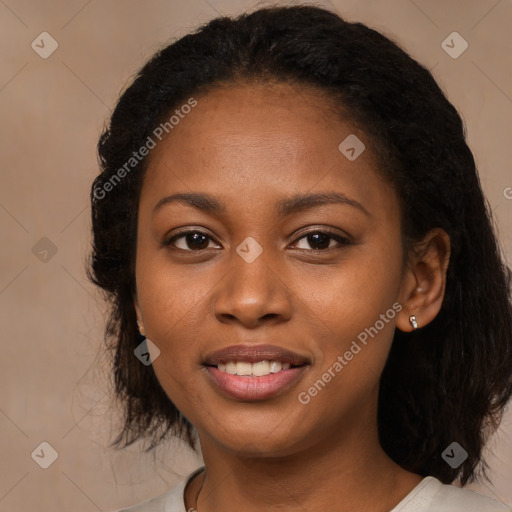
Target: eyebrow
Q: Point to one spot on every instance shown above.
(209, 204)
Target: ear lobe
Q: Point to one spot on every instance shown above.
(425, 280)
(138, 312)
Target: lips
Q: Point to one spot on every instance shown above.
(247, 385)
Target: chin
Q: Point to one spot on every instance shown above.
(253, 443)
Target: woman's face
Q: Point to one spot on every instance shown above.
(263, 170)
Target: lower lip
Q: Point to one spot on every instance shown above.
(248, 388)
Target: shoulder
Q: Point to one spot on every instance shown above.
(171, 501)
(431, 495)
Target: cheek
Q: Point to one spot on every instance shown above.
(173, 305)
(172, 324)
(170, 296)
(356, 309)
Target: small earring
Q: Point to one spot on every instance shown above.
(413, 322)
(141, 329)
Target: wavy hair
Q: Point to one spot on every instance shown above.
(450, 380)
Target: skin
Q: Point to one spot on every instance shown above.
(250, 146)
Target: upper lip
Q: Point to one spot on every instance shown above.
(254, 354)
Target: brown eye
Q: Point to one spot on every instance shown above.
(193, 241)
(320, 240)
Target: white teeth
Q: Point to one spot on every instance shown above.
(243, 368)
(231, 367)
(275, 366)
(258, 369)
(261, 368)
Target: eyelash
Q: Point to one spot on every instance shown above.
(343, 241)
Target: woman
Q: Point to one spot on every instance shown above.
(303, 271)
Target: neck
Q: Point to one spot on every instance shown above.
(352, 472)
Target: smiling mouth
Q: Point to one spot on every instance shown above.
(255, 382)
(258, 369)
(252, 373)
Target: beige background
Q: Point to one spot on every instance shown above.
(52, 372)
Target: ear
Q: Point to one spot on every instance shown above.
(424, 280)
(138, 312)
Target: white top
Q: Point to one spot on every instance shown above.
(430, 495)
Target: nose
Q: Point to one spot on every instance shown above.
(252, 294)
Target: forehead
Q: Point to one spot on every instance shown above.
(281, 118)
(258, 139)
